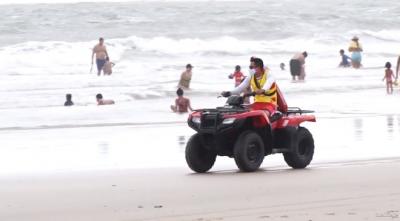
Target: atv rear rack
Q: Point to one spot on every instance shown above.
(297, 110)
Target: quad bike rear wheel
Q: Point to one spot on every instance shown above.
(198, 157)
(249, 151)
(303, 152)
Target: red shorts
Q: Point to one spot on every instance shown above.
(271, 108)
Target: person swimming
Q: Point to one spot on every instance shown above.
(68, 101)
(182, 104)
(101, 101)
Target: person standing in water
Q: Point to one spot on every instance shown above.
(355, 48)
(100, 51)
(389, 78)
(182, 104)
(297, 64)
(186, 77)
(237, 75)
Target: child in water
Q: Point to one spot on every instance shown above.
(389, 78)
(182, 104)
(237, 75)
(282, 66)
(68, 102)
(345, 59)
(107, 68)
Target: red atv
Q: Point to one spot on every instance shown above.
(248, 135)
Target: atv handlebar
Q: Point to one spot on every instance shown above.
(251, 94)
(228, 94)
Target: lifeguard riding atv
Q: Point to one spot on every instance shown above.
(235, 130)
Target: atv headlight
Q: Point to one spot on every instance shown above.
(228, 121)
(196, 120)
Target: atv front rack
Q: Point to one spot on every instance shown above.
(223, 110)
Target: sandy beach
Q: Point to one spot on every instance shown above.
(126, 162)
(359, 190)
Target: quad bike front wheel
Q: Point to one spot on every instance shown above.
(198, 157)
(249, 151)
(303, 151)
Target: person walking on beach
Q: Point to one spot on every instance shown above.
(186, 77)
(355, 48)
(389, 78)
(182, 104)
(237, 75)
(345, 59)
(101, 101)
(68, 101)
(297, 64)
(100, 51)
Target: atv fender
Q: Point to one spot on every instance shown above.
(259, 118)
(294, 121)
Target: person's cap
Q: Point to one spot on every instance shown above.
(355, 38)
(189, 66)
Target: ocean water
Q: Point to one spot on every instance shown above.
(45, 52)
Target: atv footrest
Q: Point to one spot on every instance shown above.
(276, 116)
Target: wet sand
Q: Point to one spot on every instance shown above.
(359, 190)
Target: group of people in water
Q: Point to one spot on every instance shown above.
(99, 99)
(259, 80)
(103, 62)
(355, 60)
(104, 65)
(262, 83)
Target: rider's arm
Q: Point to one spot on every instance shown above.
(242, 86)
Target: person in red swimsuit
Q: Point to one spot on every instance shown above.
(182, 104)
(389, 78)
(237, 75)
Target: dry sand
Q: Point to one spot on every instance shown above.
(363, 190)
